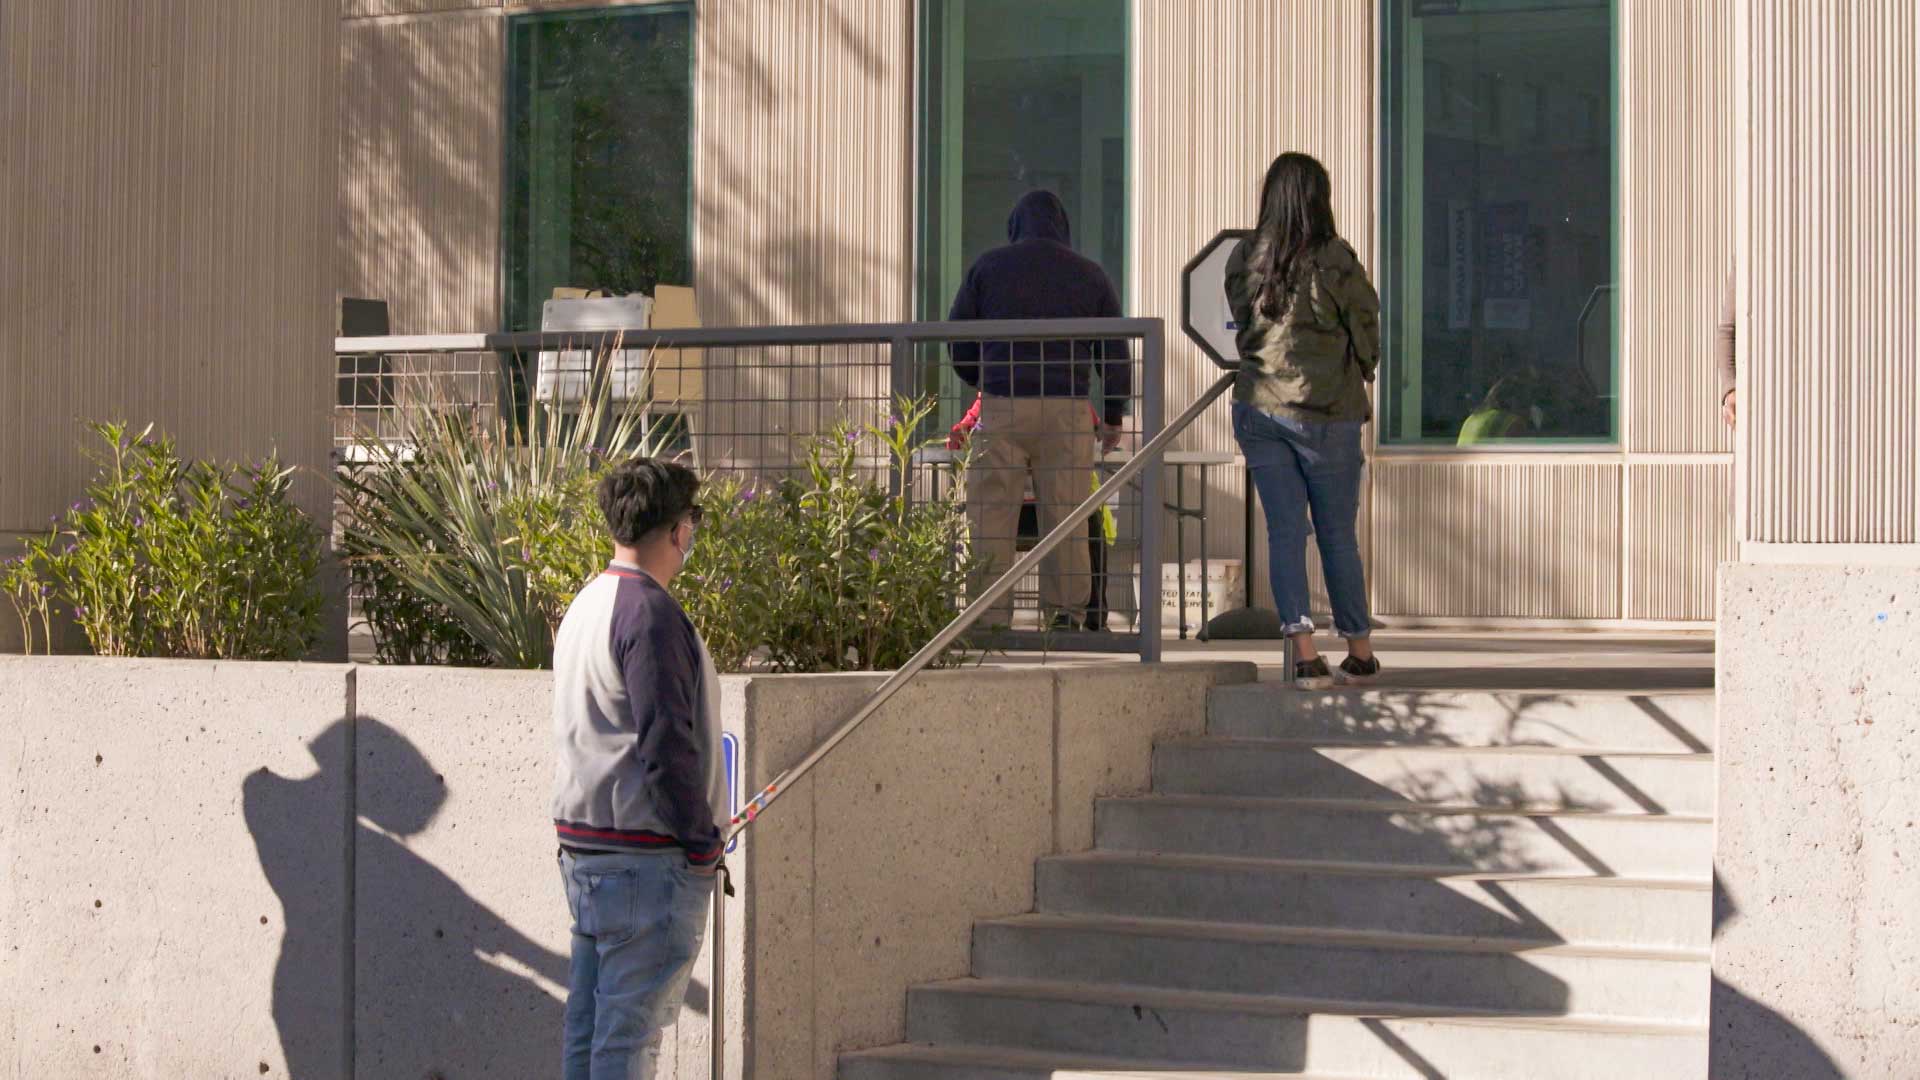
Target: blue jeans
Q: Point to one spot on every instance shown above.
(1302, 465)
(638, 921)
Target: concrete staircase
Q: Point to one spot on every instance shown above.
(1364, 884)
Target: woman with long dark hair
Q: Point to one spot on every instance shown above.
(1309, 337)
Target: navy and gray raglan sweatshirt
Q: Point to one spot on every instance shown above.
(635, 723)
(1038, 275)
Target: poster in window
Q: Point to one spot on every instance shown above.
(1508, 300)
(1459, 265)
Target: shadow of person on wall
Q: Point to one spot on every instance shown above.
(441, 985)
(1773, 1047)
(299, 828)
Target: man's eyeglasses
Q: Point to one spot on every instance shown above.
(696, 515)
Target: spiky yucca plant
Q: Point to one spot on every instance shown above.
(493, 519)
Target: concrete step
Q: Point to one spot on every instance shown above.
(1656, 723)
(1381, 1040)
(1380, 897)
(1655, 847)
(916, 1062)
(1524, 778)
(1436, 970)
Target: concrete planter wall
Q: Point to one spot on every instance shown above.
(1816, 961)
(233, 870)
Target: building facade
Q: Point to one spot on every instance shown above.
(1550, 196)
(1544, 193)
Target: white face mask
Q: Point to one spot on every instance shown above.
(687, 552)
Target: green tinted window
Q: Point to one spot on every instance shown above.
(1020, 95)
(1500, 261)
(599, 156)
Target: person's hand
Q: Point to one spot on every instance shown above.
(1109, 435)
(1729, 408)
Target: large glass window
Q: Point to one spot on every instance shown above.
(1499, 205)
(1020, 95)
(599, 154)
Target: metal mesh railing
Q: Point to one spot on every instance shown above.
(1014, 424)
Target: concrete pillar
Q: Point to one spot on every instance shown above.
(1815, 943)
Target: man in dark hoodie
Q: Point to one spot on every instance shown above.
(1034, 414)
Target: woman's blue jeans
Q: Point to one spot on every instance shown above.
(1302, 465)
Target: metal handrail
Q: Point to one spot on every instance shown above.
(1149, 454)
(1067, 527)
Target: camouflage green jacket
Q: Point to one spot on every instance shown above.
(1314, 362)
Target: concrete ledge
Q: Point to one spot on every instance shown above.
(1816, 961)
(314, 869)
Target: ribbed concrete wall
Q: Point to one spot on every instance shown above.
(803, 167)
(1536, 540)
(420, 158)
(1833, 389)
(166, 213)
(1679, 530)
(1677, 145)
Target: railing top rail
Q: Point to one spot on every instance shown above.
(751, 336)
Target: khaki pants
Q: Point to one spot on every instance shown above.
(1051, 438)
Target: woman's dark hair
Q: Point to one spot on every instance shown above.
(645, 494)
(1296, 216)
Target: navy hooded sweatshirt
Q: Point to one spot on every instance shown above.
(1038, 275)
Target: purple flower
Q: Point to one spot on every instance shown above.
(46, 590)
(727, 584)
(749, 495)
(241, 503)
(894, 420)
(873, 554)
(77, 506)
(852, 437)
(79, 612)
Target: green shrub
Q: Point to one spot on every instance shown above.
(468, 545)
(828, 570)
(171, 558)
(470, 539)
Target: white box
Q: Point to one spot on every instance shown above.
(1223, 586)
(564, 376)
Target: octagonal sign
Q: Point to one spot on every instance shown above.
(1204, 312)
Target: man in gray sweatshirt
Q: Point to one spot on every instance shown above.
(638, 789)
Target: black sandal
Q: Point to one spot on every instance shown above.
(1312, 674)
(1357, 672)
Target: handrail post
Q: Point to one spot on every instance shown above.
(717, 1006)
(1153, 406)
